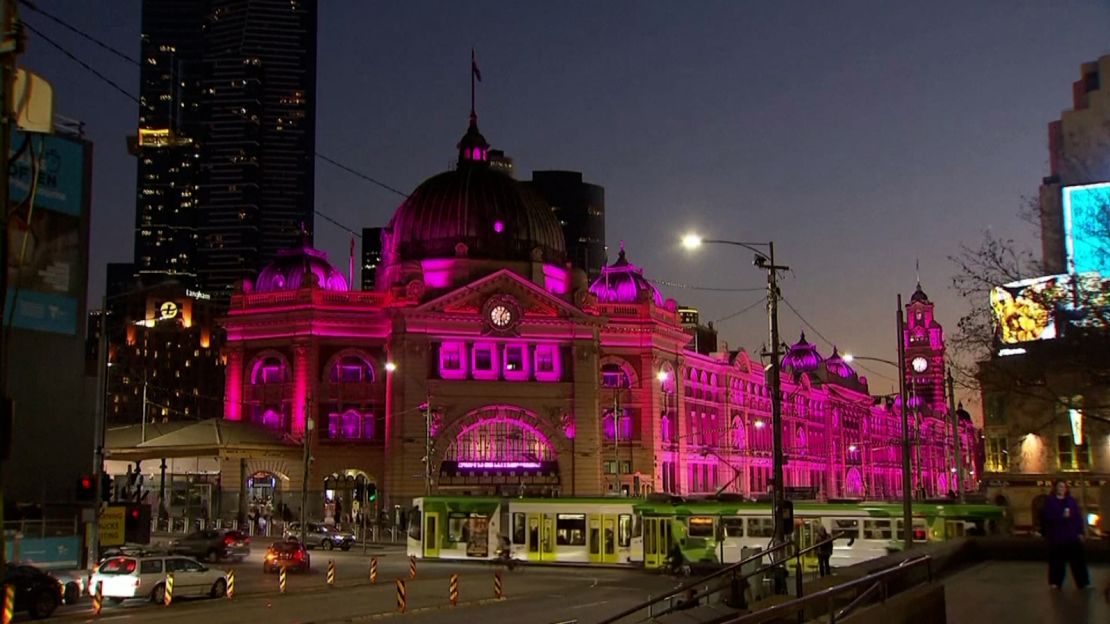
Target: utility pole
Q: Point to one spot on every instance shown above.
(617, 439)
(9, 49)
(907, 480)
(778, 495)
(954, 410)
(144, 404)
(427, 445)
(307, 461)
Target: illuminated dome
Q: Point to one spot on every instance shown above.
(290, 269)
(802, 357)
(837, 366)
(624, 282)
(489, 212)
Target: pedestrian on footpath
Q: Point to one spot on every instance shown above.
(1062, 525)
(824, 551)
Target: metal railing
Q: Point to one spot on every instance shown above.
(729, 569)
(877, 582)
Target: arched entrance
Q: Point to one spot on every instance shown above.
(853, 483)
(499, 449)
(350, 496)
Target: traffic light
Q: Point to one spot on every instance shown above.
(371, 493)
(136, 523)
(787, 517)
(85, 492)
(105, 487)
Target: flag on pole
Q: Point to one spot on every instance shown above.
(474, 66)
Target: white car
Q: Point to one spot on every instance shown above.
(144, 576)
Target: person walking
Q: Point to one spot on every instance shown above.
(824, 551)
(1062, 526)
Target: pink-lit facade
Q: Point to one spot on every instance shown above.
(521, 377)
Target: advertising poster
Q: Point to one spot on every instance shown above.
(1042, 308)
(1087, 228)
(46, 263)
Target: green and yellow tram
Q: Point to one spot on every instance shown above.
(641, 532)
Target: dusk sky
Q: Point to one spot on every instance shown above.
(859, 136)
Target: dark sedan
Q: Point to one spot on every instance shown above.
(213, 545)
(289, 554)
(36, 592)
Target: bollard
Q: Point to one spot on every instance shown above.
(281, 580)
(498, 592)
(412, 567)
(230, 584)
(167, 596)
(98, 598)
(331, 573)
(9, 603)
(373, 570)
(402, 598)
(454, 590)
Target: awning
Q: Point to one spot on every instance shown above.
(212, 437)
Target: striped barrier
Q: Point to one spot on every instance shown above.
(9, 603)
(402, 597)
(412, 567)
(230, 584)
(454, 590)
(373, 570)
(498, 588)
(281, 580)
(167, 596)
(98, 598)
(331, 573)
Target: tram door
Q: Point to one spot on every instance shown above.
(593, 537)
(431, 535)
(547, 543)
(657, 541)
(806, 531)
(535, 528)
(602, 538)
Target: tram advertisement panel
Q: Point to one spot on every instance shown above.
(478, 544)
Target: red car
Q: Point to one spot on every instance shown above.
(291, 555)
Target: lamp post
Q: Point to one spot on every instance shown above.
(767, 263)
(664, 377)
(907, 479)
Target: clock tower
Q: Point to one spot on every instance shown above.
(924, 365)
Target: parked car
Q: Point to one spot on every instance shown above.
(36, 592)
(322, 535)
(289, 554)
(145, 577)
(213, 545)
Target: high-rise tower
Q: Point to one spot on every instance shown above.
(259, 153)
(580, 208)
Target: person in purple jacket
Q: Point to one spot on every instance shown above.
(1062, 525)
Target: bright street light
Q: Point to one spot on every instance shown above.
(848, 357)
(663, 376)
(390, 367)
(691, 241)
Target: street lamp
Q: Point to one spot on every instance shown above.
(767, 263)
(907, 479)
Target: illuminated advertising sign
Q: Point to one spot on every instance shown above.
(46, 256)
(1087, 227)
(1042, 307)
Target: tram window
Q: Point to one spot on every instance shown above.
(734, 527)
(570, 529)
(877, 529)
(850, 527)
(518, 528)
(415, 525)
(534, 535)
(458, 529)
(624, 531)
(637, 525)
(761, 527)
(700, 526)
(919, 532)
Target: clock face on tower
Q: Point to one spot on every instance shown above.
(500, 316)
(920, 364)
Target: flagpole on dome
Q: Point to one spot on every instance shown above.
(475, 74)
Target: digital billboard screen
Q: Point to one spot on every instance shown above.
(1087, 228)
(1043, 308)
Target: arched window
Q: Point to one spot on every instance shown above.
(800, 436)
(608, 426)
(737, 433)
(272, 419)
(500, 436)
(351, 368)
(614, 375)
(666, 428)
(269, 369)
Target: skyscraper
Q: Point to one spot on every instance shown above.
(580, 208)
(226, 137)
(259, 154)
(170, 134)
(371, 256)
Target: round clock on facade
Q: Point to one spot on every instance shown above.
(920, 364)
(500, 316)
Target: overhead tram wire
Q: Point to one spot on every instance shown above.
(77, 31)
(705, 288)
(741, 311)
(829, 342)
(73, 57)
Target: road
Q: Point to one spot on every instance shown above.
(1017, 592)
(530, 594)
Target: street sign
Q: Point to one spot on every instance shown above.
(112, 525)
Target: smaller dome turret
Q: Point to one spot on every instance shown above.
(919, 295)
(802, 357)
(624, 282)
(838, 367)
(292, 268)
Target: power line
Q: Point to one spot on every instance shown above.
(706, 288)
(740, 311)
(359, 174)
(78, 32)
(83, 64)
(829, 342)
